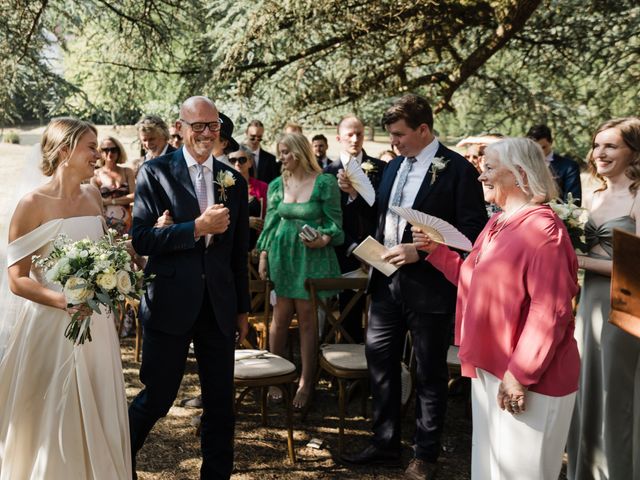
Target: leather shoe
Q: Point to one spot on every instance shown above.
(373, 456)
(195, 402)
(421, 470)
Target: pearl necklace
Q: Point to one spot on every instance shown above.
(504, 224)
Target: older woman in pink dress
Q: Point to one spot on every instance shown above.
(514, 320)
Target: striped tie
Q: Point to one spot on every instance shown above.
(396, 201)
(201, 188)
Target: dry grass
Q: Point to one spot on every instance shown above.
(172, 450)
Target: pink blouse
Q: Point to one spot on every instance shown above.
(258, 189)
(514, 309)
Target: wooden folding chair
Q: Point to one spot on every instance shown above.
(344, 361)
(260, 315)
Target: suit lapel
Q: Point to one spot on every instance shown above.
(180, 172)
(425, 188)
(387, 184)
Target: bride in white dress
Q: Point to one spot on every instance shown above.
(63, 410)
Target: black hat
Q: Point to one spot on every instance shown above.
(226, 132)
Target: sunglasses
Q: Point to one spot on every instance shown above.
(199, 127)
(240, 160)
(176, 136)
(255, 137)
(108, 150)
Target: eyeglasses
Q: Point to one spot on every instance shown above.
(108, 150)
(240, 160)
(199, 127)
(175, 136)
(255, 137)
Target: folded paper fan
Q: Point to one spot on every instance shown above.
(439, 230)
(360, 181)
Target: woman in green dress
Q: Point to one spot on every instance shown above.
(302, 195)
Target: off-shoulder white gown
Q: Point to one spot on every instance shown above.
(63, 411)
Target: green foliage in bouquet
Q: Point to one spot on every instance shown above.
(92, 273)
(574, 218)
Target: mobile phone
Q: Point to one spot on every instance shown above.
(308, 233)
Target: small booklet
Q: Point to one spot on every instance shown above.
(370, 251)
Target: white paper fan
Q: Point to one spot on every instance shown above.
(360, 181)
(439, 230)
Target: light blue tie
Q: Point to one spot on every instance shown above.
(201, 188)
(396, 201)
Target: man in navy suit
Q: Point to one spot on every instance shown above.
(358, 218)
(200, 290)
(266, 167)
(432, 179)
(565, 170)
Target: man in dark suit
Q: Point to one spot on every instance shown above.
(358, 218)
(565, 170)
(200, 290)
(320, 145)
(433, 179)
(154, 137)
(266, 168)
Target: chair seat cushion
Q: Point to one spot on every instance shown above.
(452, 355)
(260, 364)
(347, 356)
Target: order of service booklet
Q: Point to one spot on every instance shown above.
(370, 251)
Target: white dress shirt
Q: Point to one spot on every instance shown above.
(414, 182)
(207, 171)
(346, 158)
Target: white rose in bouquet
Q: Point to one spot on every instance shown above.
(124, 282)
(106, 280)
(77, 290)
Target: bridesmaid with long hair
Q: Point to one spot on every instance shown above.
(604, 441)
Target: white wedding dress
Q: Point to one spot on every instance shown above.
(63, 410)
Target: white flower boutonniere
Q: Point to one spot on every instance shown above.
(368, 167)
(224, 180)
(438, 164)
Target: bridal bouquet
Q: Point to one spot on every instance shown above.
(94, 274)
(574, 218)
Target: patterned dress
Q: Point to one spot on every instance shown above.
(290, 261)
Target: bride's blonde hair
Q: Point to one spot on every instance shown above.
(60, 133)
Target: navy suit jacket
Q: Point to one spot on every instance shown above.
(185, 269)
(456, 197)
(268, 167)
(358, 218)
(567, 175)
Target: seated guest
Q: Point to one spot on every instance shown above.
(242, 161)
(301, 195)
(153, 134)
(320, 145)
(514, 320)
(566, 171)
(387, 156)
(116, 184)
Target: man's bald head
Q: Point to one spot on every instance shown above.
(350, 135)
(199, 110)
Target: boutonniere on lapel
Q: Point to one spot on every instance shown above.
(224, 180)
(368, 167)
(438, 164)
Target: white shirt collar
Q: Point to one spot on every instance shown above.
(192, 161)
(549, 157)
(428, 152)
(346, 157)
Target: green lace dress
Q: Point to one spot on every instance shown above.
(290, 261)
